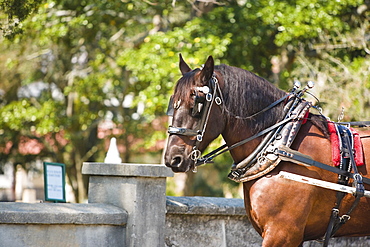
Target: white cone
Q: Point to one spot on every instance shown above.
(112, 154)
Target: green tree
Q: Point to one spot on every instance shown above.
(71, 49)
(119, 60)
(13, 13)
(328, 43)
(70, 46)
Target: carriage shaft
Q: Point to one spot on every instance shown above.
(320, 183)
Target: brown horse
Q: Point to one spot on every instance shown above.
(283, 212)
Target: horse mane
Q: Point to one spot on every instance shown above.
(321, 123)
(246, 94)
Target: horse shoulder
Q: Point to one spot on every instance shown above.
(273, 202)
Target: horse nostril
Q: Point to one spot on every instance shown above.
(176, 161)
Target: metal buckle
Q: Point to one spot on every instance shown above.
(218, 100)
(215, 80)
(195, 154)
(203, 89)
(344, 218)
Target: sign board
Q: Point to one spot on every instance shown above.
(54, 182)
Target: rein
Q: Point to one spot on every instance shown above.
(210, 156)
(224, 148)
(294, 93)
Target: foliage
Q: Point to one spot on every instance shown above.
(118, 60)
(13, 12)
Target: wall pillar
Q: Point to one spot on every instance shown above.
(140, 189)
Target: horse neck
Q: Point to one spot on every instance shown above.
(232, 135)
(238, 126)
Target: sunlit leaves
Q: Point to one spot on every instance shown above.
(12, 13)
(155, 63)
(306, 18)
(24, 115)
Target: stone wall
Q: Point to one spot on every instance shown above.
(56, 225)
(208, 221)
(222, 222)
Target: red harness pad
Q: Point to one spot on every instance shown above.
(357, 146)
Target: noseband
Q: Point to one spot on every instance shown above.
(201, 109)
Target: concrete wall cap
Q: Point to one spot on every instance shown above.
(61, 213)
(126, 170)
(205, 206)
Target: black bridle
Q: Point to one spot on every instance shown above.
(201, 109)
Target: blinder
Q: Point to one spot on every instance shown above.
(198, 104)
(170, 108)
(197, 107)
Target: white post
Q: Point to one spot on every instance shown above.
(113, 153)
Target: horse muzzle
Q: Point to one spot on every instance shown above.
(178, 160)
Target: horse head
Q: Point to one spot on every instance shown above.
(197, 115)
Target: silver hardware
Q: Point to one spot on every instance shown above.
(203, 89)
(357, 177)
(177, 104)
(261, 159)
(341, 115)
(345, 217)
(174, 130)
(297, 84)
(195, 169)
(218, 101)
(310, 84)
(319, 109)
(215, 80)
(195, 154)
(200, 106)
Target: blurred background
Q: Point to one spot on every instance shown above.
(73, 74)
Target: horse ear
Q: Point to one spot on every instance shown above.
(184, 67)
(207, 71)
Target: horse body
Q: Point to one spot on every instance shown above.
(286, 213)
(283, 212)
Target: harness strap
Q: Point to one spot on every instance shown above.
(272, 105)
(288, 108)
(287, 154)
(335, 221)
(334, 218)
(181, 131)
(360, 124)
(344, 218)
(208, 158)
